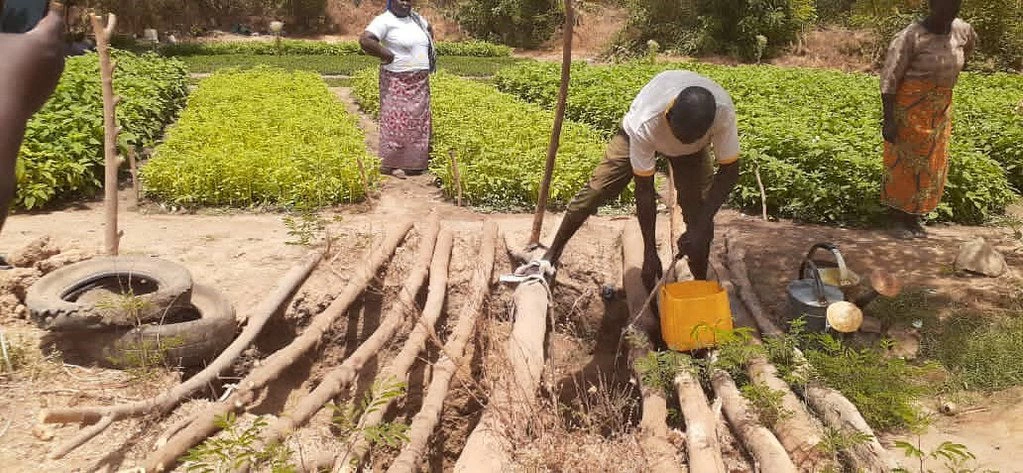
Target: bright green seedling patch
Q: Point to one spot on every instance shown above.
(814, 135)
(261, 137)
(62, 155)
(499, 142)
(467, 66)
(291, 47)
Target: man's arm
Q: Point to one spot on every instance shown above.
(646, 213)
(29, 72)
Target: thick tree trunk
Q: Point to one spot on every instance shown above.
(759, 442)
(701, 426)
(451, 358)
(513, 398)
(205, 424)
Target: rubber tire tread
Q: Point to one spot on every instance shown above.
(194, 343)
(50, 311)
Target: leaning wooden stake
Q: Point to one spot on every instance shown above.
(456, 173)
(205, 424)
(106, 69)
(701, 426)
(759, 442)
(513, 397)
(661, 455)
(399, 367)
(163, 403)
(341, 377)
(451, 358)
(559, 118)
(833, 408)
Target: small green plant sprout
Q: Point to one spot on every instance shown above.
(305, 227)
(236, 447)
(140, 358)
(766, 403)
(955, 457)
(657, 370)
(348, 418)
(834, 440)
(734, 351)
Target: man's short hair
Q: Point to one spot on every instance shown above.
(694, 109)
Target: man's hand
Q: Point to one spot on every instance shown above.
(31, 67)
(651, 270)
(890, 131)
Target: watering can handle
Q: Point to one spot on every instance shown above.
(843, 271)
(818, 285)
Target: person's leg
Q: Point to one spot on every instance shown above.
(693, 176)
(609, 180)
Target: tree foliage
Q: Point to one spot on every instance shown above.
(520, 23)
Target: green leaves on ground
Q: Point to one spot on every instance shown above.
(342, 65)
(262, 137)
(62, 155)
(814, 135)
(500, 143)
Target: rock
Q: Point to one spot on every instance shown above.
(978, 256)
(39, 250)
(9, 306)
(63, 259)
(907, 344)
(17, 281)
(43, 432)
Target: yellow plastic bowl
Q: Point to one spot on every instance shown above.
(692, 314)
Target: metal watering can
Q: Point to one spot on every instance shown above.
(834, 274)
(810, 297)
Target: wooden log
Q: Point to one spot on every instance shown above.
(559, 119)
(757, 439)
(166, 401)
(205, 424)
(341, 377)
(452, 356)
(488, 448)
(661, 455)
(740, 276)
(399, 367)
(106, 70)
(702, 446)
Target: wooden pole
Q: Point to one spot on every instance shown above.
(559, 118)
(456, 174)
(106, 68)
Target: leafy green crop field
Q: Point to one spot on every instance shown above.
(288, 47)
(343, 65)
(500, 143)
(261, 137)
(814, 135)
(62, 155)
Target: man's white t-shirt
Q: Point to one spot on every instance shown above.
(405, 38)
(649, 131)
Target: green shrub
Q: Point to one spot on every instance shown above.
(520, 23)
(300, 47)
(813, 135)
(714, 26)
(342, 65)
(62, 155)
(261, 137)
(500, 143)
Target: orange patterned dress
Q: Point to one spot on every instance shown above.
(921, 68)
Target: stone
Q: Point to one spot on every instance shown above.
(17, 281)
(66, 258)
(979, 257)
(906, 344)
(39, 250)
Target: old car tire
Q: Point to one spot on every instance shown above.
(189, 336)
(158, 286)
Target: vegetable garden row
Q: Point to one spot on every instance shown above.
(322, 48)
(269, 137)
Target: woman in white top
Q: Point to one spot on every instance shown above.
(403, 41)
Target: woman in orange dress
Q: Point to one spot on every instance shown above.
(921, 68)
